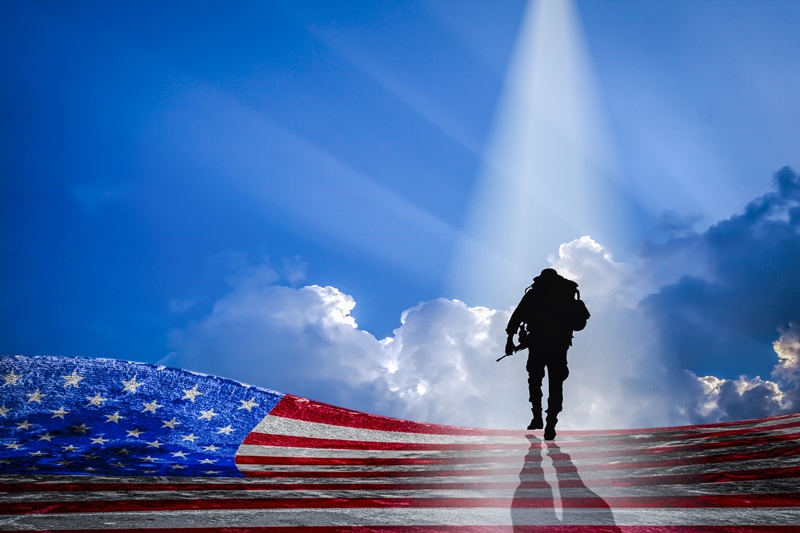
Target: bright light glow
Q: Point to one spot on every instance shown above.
(546, 167)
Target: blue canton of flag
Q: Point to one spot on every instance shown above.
(107, 417)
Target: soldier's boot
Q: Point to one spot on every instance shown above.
(550, 428)
(536, 422)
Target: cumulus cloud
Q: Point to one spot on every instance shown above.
(601, 278)
(439, 364)
(681, 334)
(710, 306)
(742, 398)
(725, 320)
(738, 292)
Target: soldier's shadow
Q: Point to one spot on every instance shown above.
(534, 503)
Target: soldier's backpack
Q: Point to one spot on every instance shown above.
(578, 313)
(570, 310)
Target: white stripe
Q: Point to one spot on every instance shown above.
(277, 425)
(584, 474)
(298, 428)
(633, 446)
(710, 489)
(405, 517)
(499, 458)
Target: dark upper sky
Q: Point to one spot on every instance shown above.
(153, 152)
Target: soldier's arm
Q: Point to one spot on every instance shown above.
(514, 323)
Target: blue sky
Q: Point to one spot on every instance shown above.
(174, 172)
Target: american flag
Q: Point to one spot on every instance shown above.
(109, 445)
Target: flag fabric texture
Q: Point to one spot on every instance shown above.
(93, 444)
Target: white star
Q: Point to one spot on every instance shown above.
(46, 436)
(181, 467)
(35, 396)
(149, 459)
(96, 400)
(208, 461)
(131, 385)
(210, 448)
(73, 379)
(154, 444)
(99, 440)
(11, 378)
(191, 394)
(149, 471)
(32, 468)
(170, 423)
(4, 461)
(210, 472)
(114, 418)
(227, 430)
(135, 432)
(123, 451)
(152, 406)
(59, 413)
(208, 415)
(24, 425)
(38, 453)
(69, 448)
(190, 437)
(90, 469)
(179, 454)
(63, 463)
(248, 404)
(90, 456)
(80, 429)
(4, 410)
(13, 446)
(118, 465)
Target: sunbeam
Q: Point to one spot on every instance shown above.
(547, 166)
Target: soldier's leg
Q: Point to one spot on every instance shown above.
(557, 372)
(535, 369)
(555, 380)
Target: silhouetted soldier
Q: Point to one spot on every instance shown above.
(545, 318)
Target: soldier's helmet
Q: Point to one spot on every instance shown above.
(547, 275)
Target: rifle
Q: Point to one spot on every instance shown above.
(523, 342)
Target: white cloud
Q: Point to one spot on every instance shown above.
(623, 338)
(755, 397)
(617, 376)
(788, 350)
(439, 364)
(600, 277)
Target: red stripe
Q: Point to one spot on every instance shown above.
(754, 432)
(638, 481)
(384, 474)
(791, 472)
(785, 451)
(310, 411)
(614, 502)
(750, 455)
(700, 446)
(291, 441)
